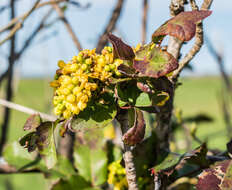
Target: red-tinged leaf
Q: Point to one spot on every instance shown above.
(136, 133)
(32, 122)
(218, 177)
(120, 49)
(155, 63)
(182, 26)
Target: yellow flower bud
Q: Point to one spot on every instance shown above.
(55, 84)
(71, 98)
(61, 64)
(57, 111)
(107, 68)
(75, 80)
(66, 114)
(84, 67)
(77, 90)
(81, 105)
(88, 61)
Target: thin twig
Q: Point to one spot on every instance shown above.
(28, 42)
(110, 26)
(19, 24)
(67, 25)
(26, 110)
(144, 21)
(198, 40)
(19, 18)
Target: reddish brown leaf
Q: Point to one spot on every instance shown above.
(32, 122)
(136, 133)
(217, 177)
(155, 63)
(120, 49)
(182, 26)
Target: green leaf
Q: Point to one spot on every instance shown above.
(143, 100)
(46, 143)
(15, 155)
(91, 164)
(96, 115)
(152, 61)
(169, 162)
(76, 182)
(126, 95)
(182, 26)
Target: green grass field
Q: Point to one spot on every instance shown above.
(195, 95)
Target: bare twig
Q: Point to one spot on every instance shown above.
(19, 18)
(26, 110)
(19, 24)
(67, 25)
(128, 155)
(28, 42)
(198, 40)
(110, 26)
(144, 21)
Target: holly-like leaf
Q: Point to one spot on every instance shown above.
(120, 49)
(170, 162)
(136, 133)
(218, 177)
(96, 115)
(46, 143)
(182, 26)
(32, 122)
(154, 63)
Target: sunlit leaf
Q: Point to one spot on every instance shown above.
(96, 115)
(182, 26)
(15, 155)
(154, 63)
(91, 164)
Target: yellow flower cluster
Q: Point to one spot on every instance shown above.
(76, 80)
(117, 176)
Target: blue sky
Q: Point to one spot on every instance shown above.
(88, 24)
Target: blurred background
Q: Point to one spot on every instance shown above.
(50, 33)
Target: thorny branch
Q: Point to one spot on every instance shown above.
(110, 26)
